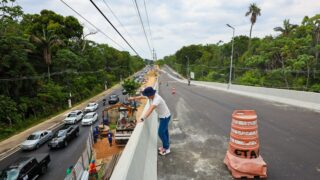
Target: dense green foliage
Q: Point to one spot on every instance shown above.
(289, 60)
(130, 86)
(43, 58)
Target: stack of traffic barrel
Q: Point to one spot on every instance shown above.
(243, 158)
(173, 90)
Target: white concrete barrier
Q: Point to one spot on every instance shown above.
(139, 158)
(303, 99)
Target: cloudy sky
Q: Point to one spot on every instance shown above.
(177, 23)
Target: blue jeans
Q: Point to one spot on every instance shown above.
(163, 132)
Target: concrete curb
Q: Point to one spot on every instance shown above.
(13, 150)
(9, 151)
(308, 100)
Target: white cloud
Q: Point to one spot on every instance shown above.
(178, 23)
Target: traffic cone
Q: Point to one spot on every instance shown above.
(173, 90)
(243, 158)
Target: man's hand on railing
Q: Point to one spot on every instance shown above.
(141, 120)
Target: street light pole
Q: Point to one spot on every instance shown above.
(230, 73)
(188, 73)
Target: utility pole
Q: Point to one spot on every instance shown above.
(69, 100)
(230, 73)
(188, 73)
(154, 55)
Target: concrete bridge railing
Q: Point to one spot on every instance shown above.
(139, 158)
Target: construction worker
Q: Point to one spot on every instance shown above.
(95, 134)
(156, 102)
(69, 170)
(93, 170)
(110, 137)
(105, 121)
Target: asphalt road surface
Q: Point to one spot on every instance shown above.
(200, 128)
(62, 158)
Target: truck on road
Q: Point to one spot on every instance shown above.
(26, 168)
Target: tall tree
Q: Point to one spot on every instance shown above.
(287, 27)
(46, 42)
(10, 12)
(254, 11)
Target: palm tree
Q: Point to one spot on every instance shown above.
(254, 11)
(47, 41)
(287, 27)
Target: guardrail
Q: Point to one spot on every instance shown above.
(302, 99)
(139, 158)
(79, 171)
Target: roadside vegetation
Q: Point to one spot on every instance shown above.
(289, 60)
(131, 86)
(44, 59)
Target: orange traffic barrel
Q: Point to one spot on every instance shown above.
(244, 134)
(173, 90)
(243, 157)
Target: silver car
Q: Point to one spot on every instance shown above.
(36, 139)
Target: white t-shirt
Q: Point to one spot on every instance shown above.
(161, 106)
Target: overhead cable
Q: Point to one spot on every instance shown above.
(59, 73)
(144, 31)
(115, 16)
(146, 10)
(92, 24)
(114, 27)
(51, 74)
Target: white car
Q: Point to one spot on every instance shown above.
(36, 139)
(73, 117)
(91, 107)
(89, 118)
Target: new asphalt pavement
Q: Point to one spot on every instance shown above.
(200, 129)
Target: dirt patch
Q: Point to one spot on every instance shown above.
(105, 151)
(102, 149)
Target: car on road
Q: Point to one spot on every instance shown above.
(26, 168)
(73, 117)
(36, 139)
(89, 118)
(91, 107)
(113, 99)
(64, 136)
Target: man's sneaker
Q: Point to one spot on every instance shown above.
(160, 149)
(164, 152)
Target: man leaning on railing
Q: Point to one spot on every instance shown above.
(157, 102)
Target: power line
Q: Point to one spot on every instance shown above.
(115, 16)
(51, 74)
(145, 34)
(60, 73)
(249, 68)
(91, 24)
(145, 8)
(114, 27)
